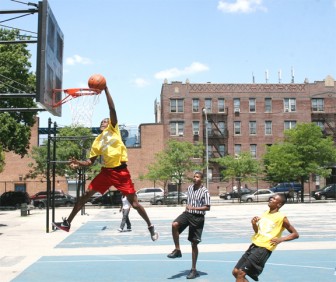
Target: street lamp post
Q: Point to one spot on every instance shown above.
(206, 147)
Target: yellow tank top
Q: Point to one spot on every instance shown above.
(110, 146)
(269, 226)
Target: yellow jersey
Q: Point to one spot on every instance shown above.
(110, 146)
(269, 226)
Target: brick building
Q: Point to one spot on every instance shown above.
(241, 117)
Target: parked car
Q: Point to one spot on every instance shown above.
(110, 198)
(146, 194)
(170, 198)
(61, 200)
(43, 194)
(14, 199)
(236, 193)
(285, 187)
(326, 192)
(261, 195)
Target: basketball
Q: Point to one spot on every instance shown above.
(97, 81)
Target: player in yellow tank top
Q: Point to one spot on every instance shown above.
(110, 145)
(114, 172)
(268, 234)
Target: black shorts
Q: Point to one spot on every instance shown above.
(253, 261)
(195, 223)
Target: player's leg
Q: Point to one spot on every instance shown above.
(98, 184)
(66, 224)
(132, 198)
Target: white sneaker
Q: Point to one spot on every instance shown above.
(153, 233)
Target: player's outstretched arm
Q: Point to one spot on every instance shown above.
(113, 113)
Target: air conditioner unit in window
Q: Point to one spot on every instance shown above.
(196, 133)
(237, 110)
(180, 133)
(286, 110)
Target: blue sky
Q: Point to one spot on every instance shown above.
(136, 44)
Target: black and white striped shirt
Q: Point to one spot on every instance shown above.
(198, 198)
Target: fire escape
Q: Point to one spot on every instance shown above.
(217, 140)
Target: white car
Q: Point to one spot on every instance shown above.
(146, 194)
(261, 195)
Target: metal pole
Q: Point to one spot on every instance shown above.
(206, 147)
(48, 175)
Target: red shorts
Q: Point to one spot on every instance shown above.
(119, 178)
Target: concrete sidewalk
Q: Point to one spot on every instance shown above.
(25, 245)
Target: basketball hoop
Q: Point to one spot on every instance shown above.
(81, 102)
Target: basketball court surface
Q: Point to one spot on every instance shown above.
(96, 251)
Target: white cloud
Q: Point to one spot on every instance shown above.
(141, 82)
(241, 6)
(175, 72)
(76, 59)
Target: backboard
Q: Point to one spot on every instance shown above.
(49, 68)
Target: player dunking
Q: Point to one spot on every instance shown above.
(114, 172)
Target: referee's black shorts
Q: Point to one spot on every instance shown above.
(195, 223)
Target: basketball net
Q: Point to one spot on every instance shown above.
(82, 110)
(81, 101)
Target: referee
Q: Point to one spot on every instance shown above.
(193, 216)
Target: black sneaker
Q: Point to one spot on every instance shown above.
(192, 274)
(129, 229)
(153, 233)
(175, 254)
(65, 225)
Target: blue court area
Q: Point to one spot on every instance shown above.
(98, 252)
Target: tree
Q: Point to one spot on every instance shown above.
(241, 167)
(2, 159)
(303, 152)
(70, 142)
(174, 162)
(15, 76)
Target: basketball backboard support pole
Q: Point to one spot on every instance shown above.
(49, 71)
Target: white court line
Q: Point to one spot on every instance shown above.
(180, 260)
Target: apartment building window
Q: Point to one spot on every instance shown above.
(221, 127)
(289, 104)
(268, 105)
(237, 149)
(237, 127)
(176, 106)
(196, 127)
(208, 105)
(221, 105)
(289, 124)
(210, 151)
(221, 149)
(317, 104)
(268, 127)
(253, 127)
(252, 105)
(176, 128)
(320, 124)
(253, 150)
(236, 105)
(195, 105)
(209, 128)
